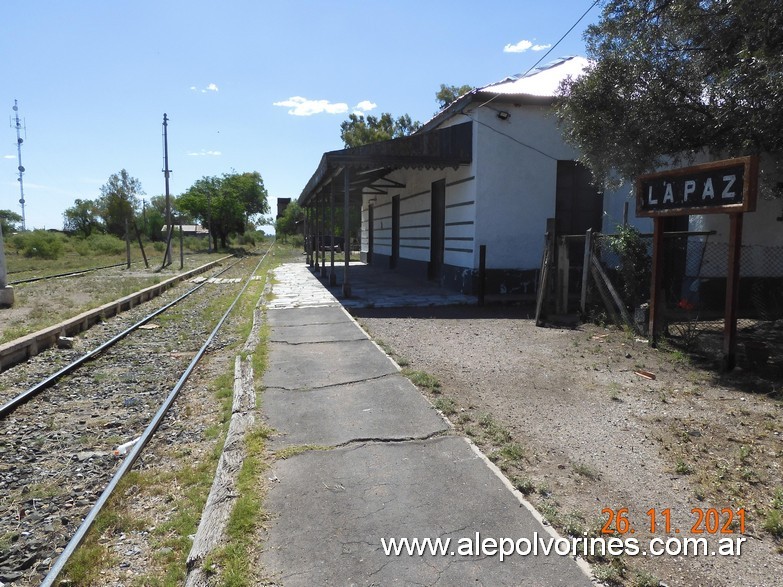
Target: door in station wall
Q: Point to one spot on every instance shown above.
(579, 204)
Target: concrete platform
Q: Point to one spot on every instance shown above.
(331, 510)
(386, 466)
(388, 408)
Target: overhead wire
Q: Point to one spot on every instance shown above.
(531, 68)
(552, 48)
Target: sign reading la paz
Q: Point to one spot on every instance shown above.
(727, 187)
(721, 187)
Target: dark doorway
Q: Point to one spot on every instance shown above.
(370, 232)
(578, 205)
(395, 238)
(437, 228)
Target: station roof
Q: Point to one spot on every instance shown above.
(538, 86)
(432, 147)
(369, 164)
(542, 82)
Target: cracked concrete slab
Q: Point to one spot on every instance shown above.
(386, 408)
(306, 316)
(314, 333)
(309, 366)
(332, 508)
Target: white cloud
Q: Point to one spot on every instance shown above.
(9, 156)
(366, 106)
(209, 88)
(204, 153)
(523, 46)
(300, 106)
(520, 47)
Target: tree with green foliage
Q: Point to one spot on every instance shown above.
(119, 201)
(152, 218)
(225, 204)
(83, 218)
(675, 78)
(360, 130)
(10, 221)
(447, 94)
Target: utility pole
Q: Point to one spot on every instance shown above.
(16, 123)
(209, 220)
(166, 172)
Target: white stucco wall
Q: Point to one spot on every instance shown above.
(506, 203)
(415, 214)
(516, 171)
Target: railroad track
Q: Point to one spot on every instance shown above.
(73, 273)
(58, 436)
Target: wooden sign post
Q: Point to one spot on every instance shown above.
(721, 187)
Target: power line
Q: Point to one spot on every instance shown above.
(552, 48)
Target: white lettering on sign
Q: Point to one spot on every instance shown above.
(723, 186)
(690, 187)
(729, 179)
(709, 191)
(668, 195)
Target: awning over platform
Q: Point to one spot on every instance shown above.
(370, 164)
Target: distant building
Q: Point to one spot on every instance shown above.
(282, 204)
(188, 230)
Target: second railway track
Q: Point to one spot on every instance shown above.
(57, 450)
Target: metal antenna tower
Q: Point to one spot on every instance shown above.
(15, 122)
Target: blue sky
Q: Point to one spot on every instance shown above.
(248, 85)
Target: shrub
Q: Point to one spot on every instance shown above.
(635, 264)
(39, 244)
(103, 244)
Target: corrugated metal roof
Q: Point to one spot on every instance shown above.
(541, 82)
(539, 85)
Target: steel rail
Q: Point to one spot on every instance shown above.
(68, 274)
(25, 396)
(134, 453)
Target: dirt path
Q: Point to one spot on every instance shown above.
(564, 415)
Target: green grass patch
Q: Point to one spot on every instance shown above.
(512, 451)
(524, 484)
(234, 560)
(682, 468)
(423, 380)
(446, 405)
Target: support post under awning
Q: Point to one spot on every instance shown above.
(346, 231)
